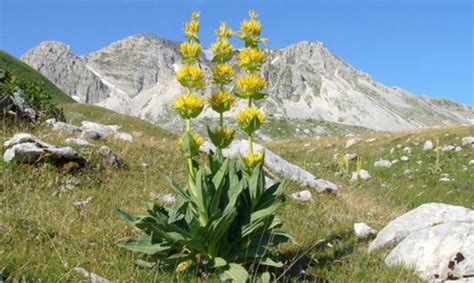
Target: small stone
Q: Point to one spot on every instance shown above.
(371, 140)
(81, 204)
(407, 149)
(444, 179)
(351, 142)
(399, 146)
(351, 156)
(364, 175)
(407, 172)
(467, 140)
(404, 158)
(392, 150)
(91, 135)
(445, 148)
(302, 196)
(471, 162)
(79, 142)
(382, 163)
(167, 199)
(395, 161)
(458, 149)
(138, 134)
(90, 277)
(362, 230)
(123, 136)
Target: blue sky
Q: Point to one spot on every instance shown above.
(423, 46)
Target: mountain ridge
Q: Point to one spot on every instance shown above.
(306, 80)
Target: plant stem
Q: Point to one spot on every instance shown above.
(222, 120)
(250, 102)
(190, 160)
(250, 145)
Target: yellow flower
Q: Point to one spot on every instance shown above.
(250, 30)
(191, 28)
(252, 160)
(224, 31)
(183, 266)
(222, 50)
(250, 119)
(251, 86)
(191, 77)
(251, 58)
(197, 140)
(221, 101)
(190, 51)
(189, 105)
(221, 137)
(222, 74)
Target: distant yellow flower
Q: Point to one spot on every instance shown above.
(222, 74)
(250, 85)
(190, 51)
(222, 49)
(252, 160)
(183, 266)
(221, 137)
(189, 105)
(196, 138)
(251, 58)
(224, 31)
(191, 77)
(250, 119)
(191, 28)
(221, 101)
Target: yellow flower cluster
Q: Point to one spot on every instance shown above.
(189, 105)
(222, 49)
(250, 119)
(190, 51)
(252, 58)
(224, 31)
(221, 101)
(191, 28)
(253, 159)
(221, 137)
(222, 74)
(191, 77)
(250, 31)
(250, 85)
(183, 266)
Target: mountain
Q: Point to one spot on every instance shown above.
(306, 83)
(22, 70)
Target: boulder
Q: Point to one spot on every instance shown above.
(444, 251)
(275, 166)
(428, 145)
(382, 163)
(362, 230)
(111, 157)
(445, 148)
(89, 276)
(302, 196)
(26, 148)
(65, 128)
(425, 216)
(91, 135)
(363, 174)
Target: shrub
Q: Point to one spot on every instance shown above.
(224, 220)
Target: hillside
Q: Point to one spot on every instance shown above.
(306, 81)
(22, 70)
(43, 236)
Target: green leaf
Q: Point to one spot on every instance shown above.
(265, 277)
(269, 262)
(131, 219)
(235, 272)
(144, 245)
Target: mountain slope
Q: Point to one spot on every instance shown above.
(306, 81)
(22, 70)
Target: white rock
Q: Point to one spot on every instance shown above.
(351, 142)
(362, 230)
(123, 136)
(351, 156)
(424, 216)
(458, 149)
(445, 179)
(428, 145)
(399, 146)
(445, 148)
(382, 163)
(166, 199)
(81, 204)
(277, 166)
(392, 150)
(443, 251)
(395, 161)
(407, 172)
(471, 162)
(66, 128)
(26, 148)
(404, 158)
(104, 130)
(407, 149)
(79, 142)
(371, 140)
(302, 196)
(467, 140)
(90, 277)
(364, 175)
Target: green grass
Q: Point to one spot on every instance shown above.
(42, 235)
(22, 70)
